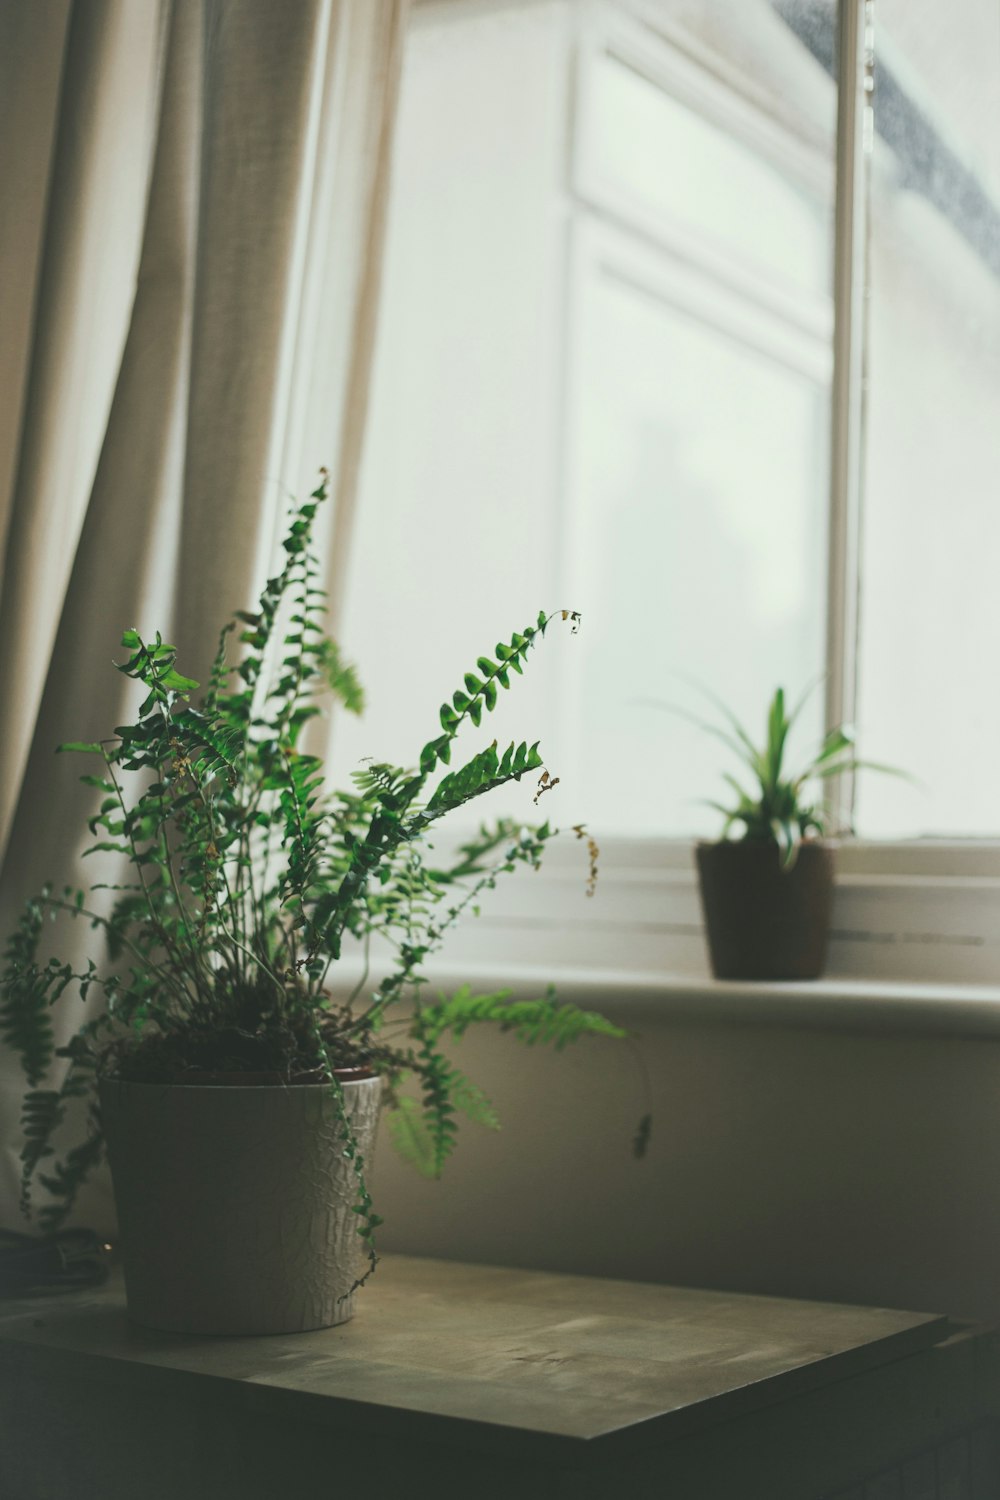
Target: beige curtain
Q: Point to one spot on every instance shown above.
(194, 195)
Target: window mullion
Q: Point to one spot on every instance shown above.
(847, 414)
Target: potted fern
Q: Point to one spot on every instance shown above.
(236, 1098)
(767, 894)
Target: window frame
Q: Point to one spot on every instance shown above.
(700, 80)
(909, 909)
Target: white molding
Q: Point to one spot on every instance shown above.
(723, 99)
(807, 153)
(931, 860)
(647, 1000)
(832, 1003)
(681, 276)
(668, 56)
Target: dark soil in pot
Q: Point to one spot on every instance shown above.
(763, 921)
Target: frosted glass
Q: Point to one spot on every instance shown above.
(675, 162)
(930, 608)
(702, 512)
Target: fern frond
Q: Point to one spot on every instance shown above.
(478, 694)
(216, 748)
(68, 1177)
(340, 676)
(439, 1109)
(218, 679)
(473, 1101)
(411, 1136)
(382, 782)
(546, 1022)
(472, 853)
(42, 1112)
(25, 993)
(483, 773)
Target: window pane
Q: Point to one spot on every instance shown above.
(930, 616)
(701, 522)
(714, 182)
(455, 535)
(601, 382)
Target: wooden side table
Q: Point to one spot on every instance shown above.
(459, 1380)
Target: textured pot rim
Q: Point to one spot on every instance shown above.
(110, 1081)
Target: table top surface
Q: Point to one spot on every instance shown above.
(468, 1353)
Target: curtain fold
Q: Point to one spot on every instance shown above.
(101, 122)
(214, 194)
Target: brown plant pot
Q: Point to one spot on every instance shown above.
(762, 921)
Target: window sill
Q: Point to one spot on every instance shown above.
(836, 1003)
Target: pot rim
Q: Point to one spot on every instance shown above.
(347, 1078)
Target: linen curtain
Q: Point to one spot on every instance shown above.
(194, 199)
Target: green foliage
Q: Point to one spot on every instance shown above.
(27, 989)
(425, 1133)
(533, 1022)
(244, 875)
(411, 1136)
(778, 807)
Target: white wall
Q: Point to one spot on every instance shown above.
(785, 1160)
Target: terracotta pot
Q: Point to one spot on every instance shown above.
(234, 1203)
(762, 921)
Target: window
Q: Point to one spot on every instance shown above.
(697, 433)
(605, 380)
(929, 609)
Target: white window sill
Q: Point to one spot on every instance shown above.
(833, 1002)
(915, 945)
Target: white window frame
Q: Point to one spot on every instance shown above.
(924, 934)
(668, 59)
(912, 910)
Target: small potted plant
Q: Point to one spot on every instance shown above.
(767, 891)
(237, 1099)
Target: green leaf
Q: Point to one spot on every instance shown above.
(745, 800)
(411, 1137)
(777, 730)
(177, 683)
(83, 747)
(853, 764)
(434, 751)
(544, 1021)
(340, 676)
(472, 1101)
(835, 742)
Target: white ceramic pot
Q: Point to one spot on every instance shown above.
(234, 1203)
